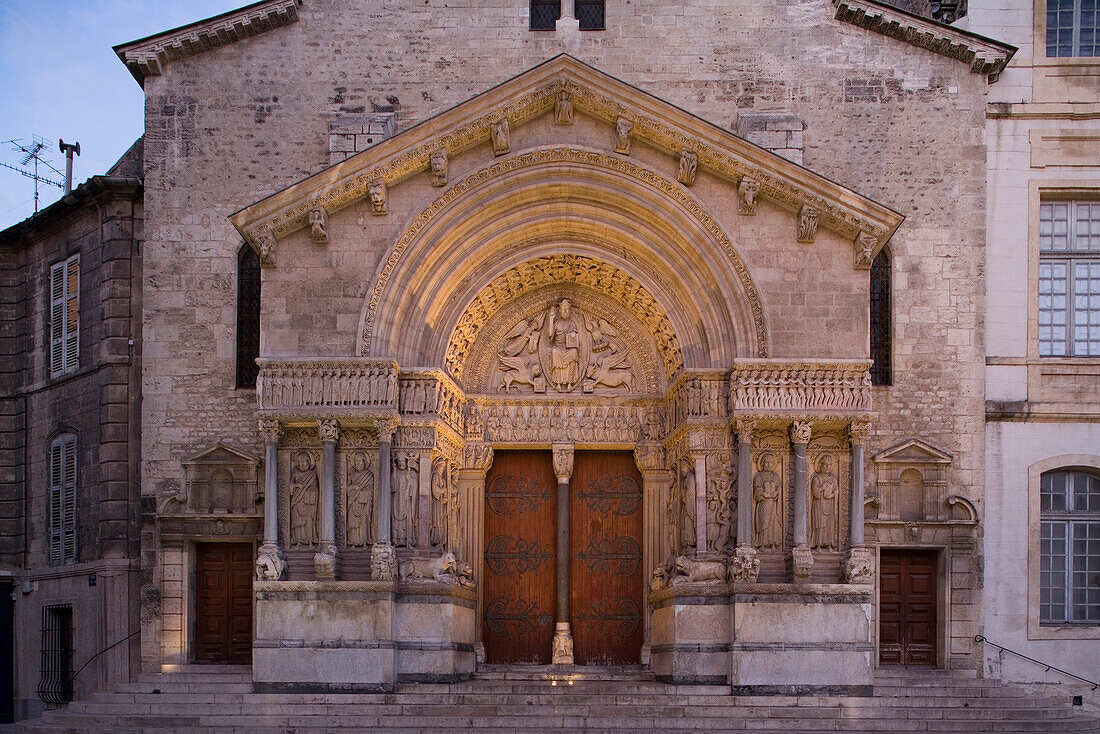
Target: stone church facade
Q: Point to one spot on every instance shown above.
(566, 359)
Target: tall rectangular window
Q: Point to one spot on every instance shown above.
(1072, 28)
(545, 14)
(248, 316)
(1069, 279)
(1069, 548)
(63, 500)
(64, 316)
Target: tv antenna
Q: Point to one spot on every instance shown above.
(32, 152)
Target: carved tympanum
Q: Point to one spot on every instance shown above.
(562, 349)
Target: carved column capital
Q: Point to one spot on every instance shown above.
(271, 429)
(744, 428)
(649, 456)
(864, 245)
(478, 456)
(857, 432)
(328, 429)
(563, 461)
(387, 429)
(800, 432)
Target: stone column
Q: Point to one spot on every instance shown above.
(562, 651)
(745, 566)
(802, 559)
(859, 568)
(650, 458)
(424, 503)
(269, 562)
(324, 560)
(383, 560)
(471, 486)
(701, 539)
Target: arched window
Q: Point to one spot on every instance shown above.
(248, 316)
(1069, 547)
(881, 368)
(62, 499)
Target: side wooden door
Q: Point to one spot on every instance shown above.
(907, 608)
(607, 582)
(223, 603)
(518, 579)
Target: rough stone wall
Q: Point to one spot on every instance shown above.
(898, 124)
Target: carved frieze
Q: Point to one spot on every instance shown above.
(430, 394)
(303, 386)
(698, 395)
(687, 167)
(544, 271)
(563, 422)
(773, 387)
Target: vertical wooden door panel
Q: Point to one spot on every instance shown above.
(518, 577)
(605, 565)
(907, 608)
(223, 603)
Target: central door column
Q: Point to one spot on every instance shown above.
(562, 650)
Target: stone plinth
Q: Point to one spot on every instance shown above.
(361, 635)
(764, 638)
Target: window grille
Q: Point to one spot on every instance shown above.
(881, 367)
(248, 317)
(1069, 548)
(62, 498)
(1072, 27)
(64, 316)
(1069, 279)
(590, 14)
(545, 14)
(55, 684)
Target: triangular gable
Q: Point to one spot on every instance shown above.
(219, 453)
(913, 451)
(600, 96)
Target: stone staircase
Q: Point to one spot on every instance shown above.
(221, 701)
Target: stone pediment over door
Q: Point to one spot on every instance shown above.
(564, 161)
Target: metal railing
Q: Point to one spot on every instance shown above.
(1094, 684)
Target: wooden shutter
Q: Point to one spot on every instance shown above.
(72, 312)
(62, 513)
(57, 319)
(64, 316)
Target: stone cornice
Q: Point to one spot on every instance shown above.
(148, 56)
(597, 95)
(984, 55)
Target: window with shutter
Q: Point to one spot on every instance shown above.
(64, 316)
(62, 499)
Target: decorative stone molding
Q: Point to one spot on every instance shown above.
(807, 224)
(331, 386)
(438, 164)
(686, 169)
(743, 428)
(376, 190)
(544, 271)
(623, 127)
(149, 56)
(387, 429)
(747, 191)
(865, 251)
(499, 135)
(912, 482)
(318, 225)
(773, 388)
(563, 461)
(598, 95)
(985, 56)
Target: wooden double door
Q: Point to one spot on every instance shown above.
(223, 603)
(907, 607)
(606, 579)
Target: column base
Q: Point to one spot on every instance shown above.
(270, 565)
(744, 566)
(324, 561)
(859, 568)
(383, 562)
(802, 564)
(562, 651)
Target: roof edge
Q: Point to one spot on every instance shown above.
(91, 191)
(984, 55)
(148, 56)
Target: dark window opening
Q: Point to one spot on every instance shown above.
(881, 368)
(545, 14)
(55, 685)
(248, 316)
(590, 14)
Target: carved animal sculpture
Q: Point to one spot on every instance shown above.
(269, 568)
(435, 569)
(700, 571)
(518, 372)
(610, 371)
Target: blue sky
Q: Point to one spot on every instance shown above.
(59, 78)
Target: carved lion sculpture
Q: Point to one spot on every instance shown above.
(435, 569)
(700, 571)
(269, 567)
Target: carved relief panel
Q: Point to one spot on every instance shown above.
(827, 490)
(299, 488)
(405, 505)
(770, 460)
(217, 480)
(721, 504)
(358, 495)
(911, 483)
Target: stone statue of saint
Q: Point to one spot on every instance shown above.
(719, 514)
(687, 509)
(405, 488)
(565, 347)
(824, 490)
(303, 500)
(440, 504)
(360, 499)
(767, 525)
